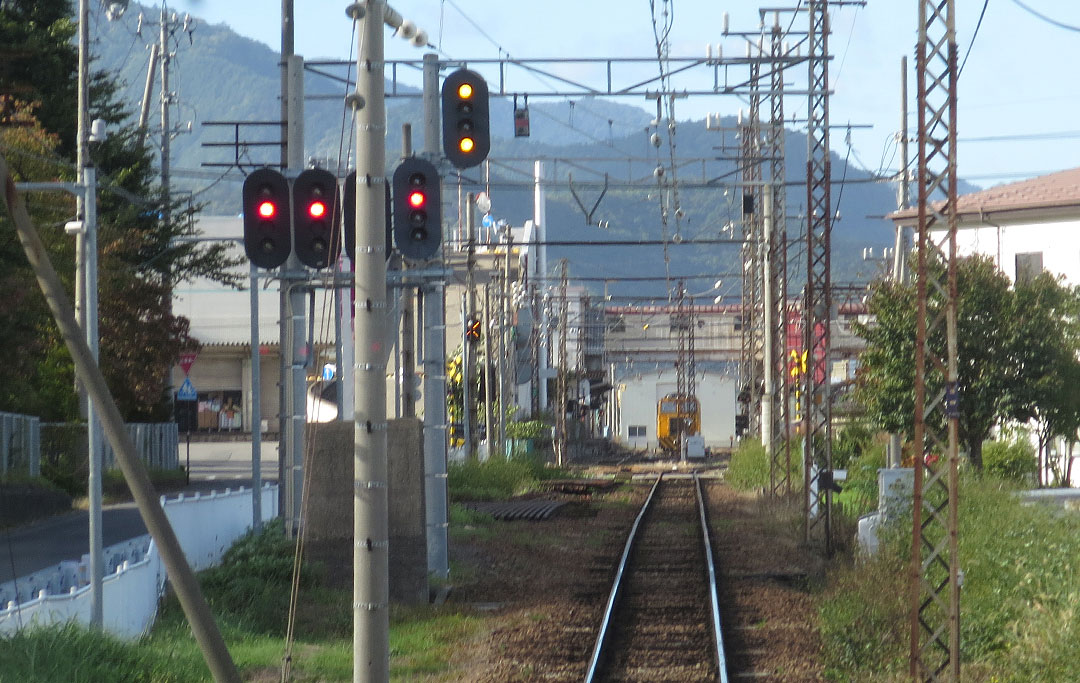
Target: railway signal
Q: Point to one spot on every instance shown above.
(466, 134)
(417, 209)
(265, 202)
(473, 330)
(316, 216)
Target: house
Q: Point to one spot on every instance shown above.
(1026, 227)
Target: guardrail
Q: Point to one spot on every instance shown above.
(205, 525)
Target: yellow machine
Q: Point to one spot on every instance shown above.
(676, 416)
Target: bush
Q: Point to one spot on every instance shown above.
(749, 467)
(860, 491)
(528, 429)
(497, 478)
(850, 443)
(253, 582)
(1011, 460)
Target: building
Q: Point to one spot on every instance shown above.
(1026, 227)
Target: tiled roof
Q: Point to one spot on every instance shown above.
(1054, 191)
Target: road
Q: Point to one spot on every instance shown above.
(217, 465)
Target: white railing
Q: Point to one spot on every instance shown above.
(205, 525)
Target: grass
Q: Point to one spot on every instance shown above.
(249, 596)
(1019, 605)
(498, 478)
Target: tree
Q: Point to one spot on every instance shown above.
(1047, 336)
(141, 256)
(994, 385)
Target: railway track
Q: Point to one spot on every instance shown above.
(661, 621)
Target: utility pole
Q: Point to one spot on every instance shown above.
(935, 584)
(166, 100)
(294, 330)
(489, 337)
(902, 245)
(817, 398)
(435, 494)
(561, 440)
(468, 352)
(371, 608)
(775, 278)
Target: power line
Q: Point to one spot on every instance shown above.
(1049, 20)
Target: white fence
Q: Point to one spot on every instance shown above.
(20, 443)
(205, 525)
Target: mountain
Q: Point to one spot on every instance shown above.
(217, 75)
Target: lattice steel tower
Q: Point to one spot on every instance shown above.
(817, 399)
(935, 591)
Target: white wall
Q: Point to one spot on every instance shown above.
(205, 526)
(638, 395)
(1058, 241)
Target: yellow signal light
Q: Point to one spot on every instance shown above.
(465, 91)
(466, 145)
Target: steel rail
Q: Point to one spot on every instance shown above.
(714, 599)
(617, 584)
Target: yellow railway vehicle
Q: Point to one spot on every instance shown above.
(677, 415)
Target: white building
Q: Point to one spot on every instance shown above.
(638, 394)
(1026, 227)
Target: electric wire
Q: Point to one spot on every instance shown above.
(310, 434)
(1049, 20)
(978, 25)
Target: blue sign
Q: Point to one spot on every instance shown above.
(187, 391)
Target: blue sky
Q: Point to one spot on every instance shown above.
(1018, 79)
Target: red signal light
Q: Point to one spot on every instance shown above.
(267, 209)
(316, 209)
(417, 199)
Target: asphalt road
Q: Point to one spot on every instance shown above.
(219, 465)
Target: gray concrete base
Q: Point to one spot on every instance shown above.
(330, 505)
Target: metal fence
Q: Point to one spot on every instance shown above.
(65, 445)
(20, 444)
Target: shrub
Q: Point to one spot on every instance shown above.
(850, 443)
(528, 429)
(860, 493)
(749, 467)
(1011, 460)
(497, 478)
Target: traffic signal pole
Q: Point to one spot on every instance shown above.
(434, 363)
(293, 332)
(371, 616)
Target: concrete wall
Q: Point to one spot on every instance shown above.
(330, 505)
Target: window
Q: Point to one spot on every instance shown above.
(637, 430)
(1028, 266)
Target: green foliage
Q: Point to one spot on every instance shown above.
(860, 490)
(73, 653)
(253, 582)
(498, 478)
(1019, 602)
(1016, 343)
(850, 443)
(1011, 460)
(528, 429)
(749, 467)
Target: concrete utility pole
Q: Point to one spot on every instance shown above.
(166, 132)
(902, 245)
(468, 351)
(434, 355)
(371, 591)
(540, 236)
(294, 329)
(86, 309)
